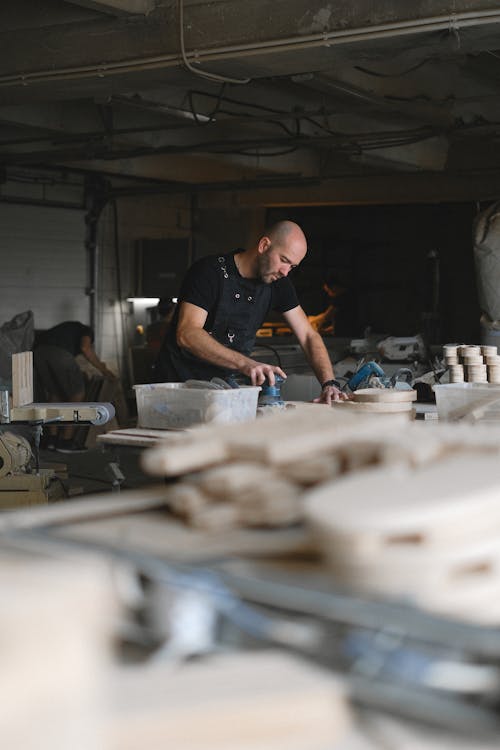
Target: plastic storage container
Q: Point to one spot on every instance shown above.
(457, 400)
(174, 406)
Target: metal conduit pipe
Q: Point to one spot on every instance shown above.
(452, 22)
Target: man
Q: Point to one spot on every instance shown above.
(58, 378)
(223, 302)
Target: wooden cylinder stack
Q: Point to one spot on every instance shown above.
(472, 363)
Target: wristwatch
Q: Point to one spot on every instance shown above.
(331, 382)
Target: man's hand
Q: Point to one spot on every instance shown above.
(259, 372)
(331, 393)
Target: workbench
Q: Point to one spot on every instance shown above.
(134, 437)
(129, 441)
(136, 526)
(136, 523)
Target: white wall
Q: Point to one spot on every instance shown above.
(43, 259)
(43, 264)
(148, 217)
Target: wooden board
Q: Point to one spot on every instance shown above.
(384, 395)
(374, 407)
(430, 535)
(22, 378)
(160, 534)
(136, 437)
(444, 502)
(87, 509)
(56, 625)
(261, 700)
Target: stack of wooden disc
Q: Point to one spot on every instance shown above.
(431, 536)
(472, 363)
(454, 363)
(381, 401)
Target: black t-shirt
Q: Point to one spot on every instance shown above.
(66, 336)
(202, 286)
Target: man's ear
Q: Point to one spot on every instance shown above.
(264, 245)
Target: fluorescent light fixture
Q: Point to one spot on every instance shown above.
(144, 300)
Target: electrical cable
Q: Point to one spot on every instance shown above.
(394, 75)
(274, 351)
(240, 115)
(260, 154)
(215, 110)
(238, 102)
(201, 73)
(210, 117)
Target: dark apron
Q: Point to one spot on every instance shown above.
(241, 309)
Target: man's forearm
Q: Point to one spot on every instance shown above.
(199, 343)
(318, 357)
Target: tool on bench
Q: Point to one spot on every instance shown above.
(371, 375)
(270, 395)
(20, 482)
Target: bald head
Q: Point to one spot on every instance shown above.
(285, 232)
(282, 248)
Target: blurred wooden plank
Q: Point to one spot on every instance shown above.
(159, 534)
(92, 507)
(22, 379)
(137, 437)
(262, 700)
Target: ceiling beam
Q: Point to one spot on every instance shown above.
(360, 190)
(117, 7)
(227, 38)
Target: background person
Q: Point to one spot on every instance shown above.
(58, 377)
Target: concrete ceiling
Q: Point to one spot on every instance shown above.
(185, 91)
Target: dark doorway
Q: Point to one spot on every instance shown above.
(391, 265)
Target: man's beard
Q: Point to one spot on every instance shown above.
(265, 273)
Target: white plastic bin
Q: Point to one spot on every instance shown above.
(453, 399)
(174, 406)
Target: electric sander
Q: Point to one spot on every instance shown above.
(270, 395)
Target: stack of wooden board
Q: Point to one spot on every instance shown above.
(255, 474)
(403, 509)
(430, 535)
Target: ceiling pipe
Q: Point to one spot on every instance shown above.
(452, 22)
(346, 142)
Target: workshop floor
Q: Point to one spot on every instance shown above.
(90, 472)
